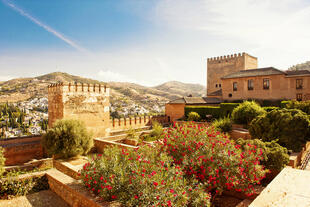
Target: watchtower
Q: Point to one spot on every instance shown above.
(217, 67)
(86, 102)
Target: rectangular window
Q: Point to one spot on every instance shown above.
(266, 83)
(298, 83)
(250, 85)
(235, 86)
(299, 97)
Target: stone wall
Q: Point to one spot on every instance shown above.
(218, 67)
(135, 122)
(86, 102)
(21, 149)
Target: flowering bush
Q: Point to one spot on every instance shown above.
(193, 116)
(275, 156)
(213, 159)
(142, 177)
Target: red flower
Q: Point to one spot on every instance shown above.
(113, 196)
(155, 183)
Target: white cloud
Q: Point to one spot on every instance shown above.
(109, 76)
(277, 31)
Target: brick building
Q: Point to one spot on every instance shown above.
(237, 77)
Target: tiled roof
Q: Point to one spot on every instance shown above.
(297, 72)
(216, 93)
(255, 72)
(196, 100)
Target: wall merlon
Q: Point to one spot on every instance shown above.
(78, 87)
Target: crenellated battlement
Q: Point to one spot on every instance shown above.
(78, 87)
(226, 57)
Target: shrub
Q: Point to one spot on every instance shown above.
(142, 177)
(223, 124)
(301, 105)
(275, 156)
(270, 108)
(67, 138)
(213, 159)
(215, 111)
(11, 185)
(284, 103)
(290, 126)
(2, 160)
(193, 116)
(246, 112)
(227, 108)
(132, 134)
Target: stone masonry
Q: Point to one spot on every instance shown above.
(86, 102)
(218, 67)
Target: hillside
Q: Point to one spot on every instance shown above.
(122, 94)
(302, 66)
(183, 89)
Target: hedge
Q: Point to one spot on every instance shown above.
(215, 111)
(225, 109)
(284, 103)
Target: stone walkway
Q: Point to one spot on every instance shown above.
(45, 198)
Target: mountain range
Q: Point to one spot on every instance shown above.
(22, 89)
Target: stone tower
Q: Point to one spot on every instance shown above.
(85, 102)
(218, 67)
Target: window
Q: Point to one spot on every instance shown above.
(215, 85)
(220, 85)
(235, 86)
(266, 83)
(230, 95)
(250, 85)
(299, 97)
(298, 83)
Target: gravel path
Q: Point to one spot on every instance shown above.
(45, 198)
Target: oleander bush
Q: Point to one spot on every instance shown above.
(193, 116)
(246, 112)
(143, 177)
(275, 156)
(212, 158)
(291, 127)
(223, 124)
(2, 160)
(67, 138)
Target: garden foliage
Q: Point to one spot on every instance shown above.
(215, 111)
(67, 138)
(223, 124)
(301, 105)
(246, 112)
(270, 108)
(213, 159)
(11, 185)
(275, 156)
(143, 177)
(290, 126)
(193, 116)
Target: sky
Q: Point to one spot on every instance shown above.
(148, 42)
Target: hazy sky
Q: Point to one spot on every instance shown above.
(148, 41)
